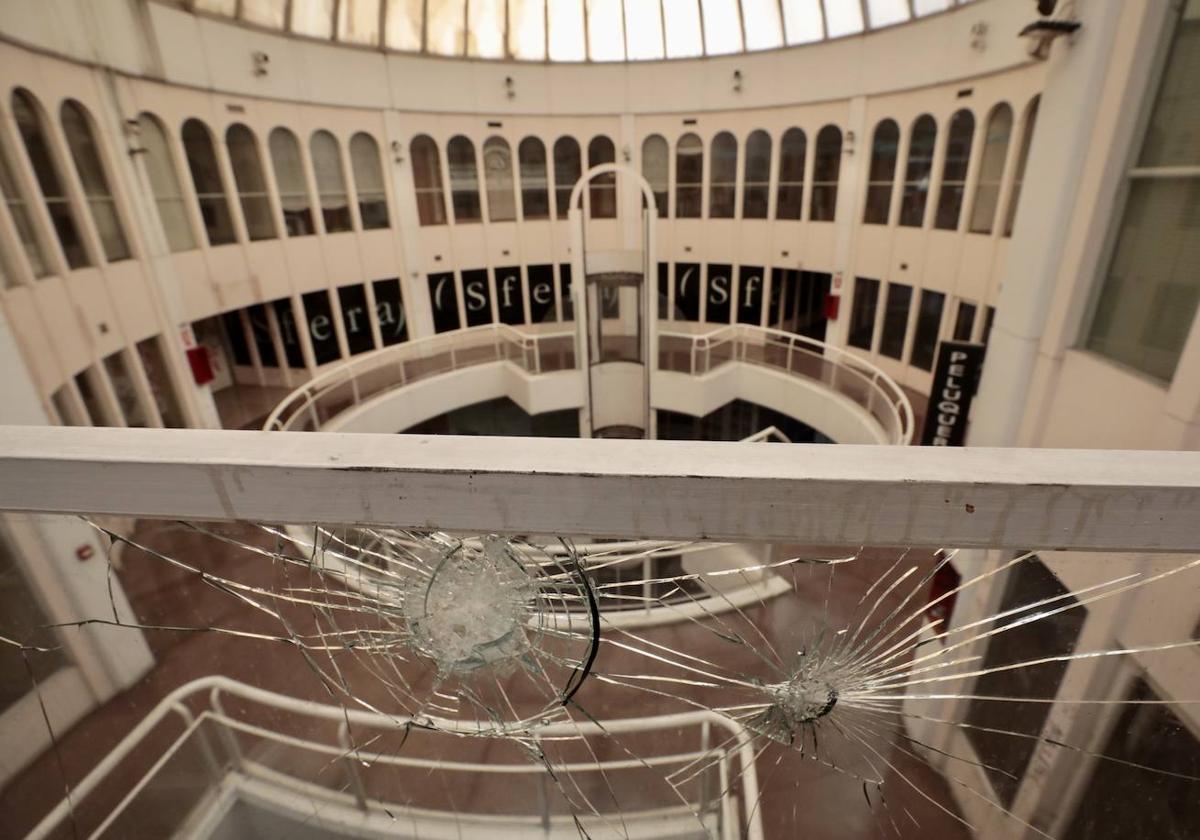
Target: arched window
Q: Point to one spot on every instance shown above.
(164, 182)
(883, 172)
(954, 170)
(206, 178)
(289, 178)
(722, 177)
(1022, 159)
(603, 188)
(790, 195)
(535, 195)
(826, 167)
(28, 116)
(655, 169)
(331, 182)
(464, 179)
(689, 177)
(498, 175)
(916, 173)
(252, 186)
(427, 178)
(18, 210)
(567, 169)
(991, 169)
(77, 126)
(368, 181)
(756, 192)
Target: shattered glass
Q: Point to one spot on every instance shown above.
(356, 682)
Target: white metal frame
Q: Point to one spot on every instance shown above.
(823, 495)
(735, 746)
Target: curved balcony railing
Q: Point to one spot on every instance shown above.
(330, 393)
(232, 736)
(839, 371)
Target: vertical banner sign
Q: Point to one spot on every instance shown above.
(541, 293)
(477, 297)
(510, 295)
(288, 332)
(356, 320)
(443, 299)
(389, 309)
(321, 330)
(750, 295)
(564, 284)
(954, 381)
(687, 291)
(720, 287)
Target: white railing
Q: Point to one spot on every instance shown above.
(349, 384)
(227, 740)
(806, 494)
(838, 370)
(771, 434)
(354, 382)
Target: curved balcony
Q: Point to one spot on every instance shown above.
(841, 376)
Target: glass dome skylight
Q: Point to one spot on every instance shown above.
(573, 30)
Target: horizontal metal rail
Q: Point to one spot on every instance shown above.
(359, 379)
(212, 689)
(841, 371)
(817, 495)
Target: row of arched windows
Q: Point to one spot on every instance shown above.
(918, 170)
(500, 179)
(201, 156)
(768, 185)
(296, 202)
(755, 182)
(34, 128)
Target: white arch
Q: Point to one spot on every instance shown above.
(603, 168)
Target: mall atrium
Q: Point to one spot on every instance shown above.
(649, 419)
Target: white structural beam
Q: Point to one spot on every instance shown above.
(819, 495)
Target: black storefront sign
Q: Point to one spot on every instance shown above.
(288, 332)
(261, 330)
(955, 379)
(564, 285)
(720, 289)
(356, 319)
(510, 295)
(321, 329)
(541, 293)
(750, 295)
(477, 297)
(687, 291)
(443, 297)
(389, 309)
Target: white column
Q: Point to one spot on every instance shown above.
(1066, 119)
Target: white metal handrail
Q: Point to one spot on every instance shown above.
(211, 691)
(771, 434)
(359, 379)
(363, 377)
(837, 369)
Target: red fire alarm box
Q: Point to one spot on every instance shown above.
(202, 371)
(831, 307)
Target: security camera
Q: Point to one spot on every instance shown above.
(1043, 33)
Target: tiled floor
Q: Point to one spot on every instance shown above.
(802, 797)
